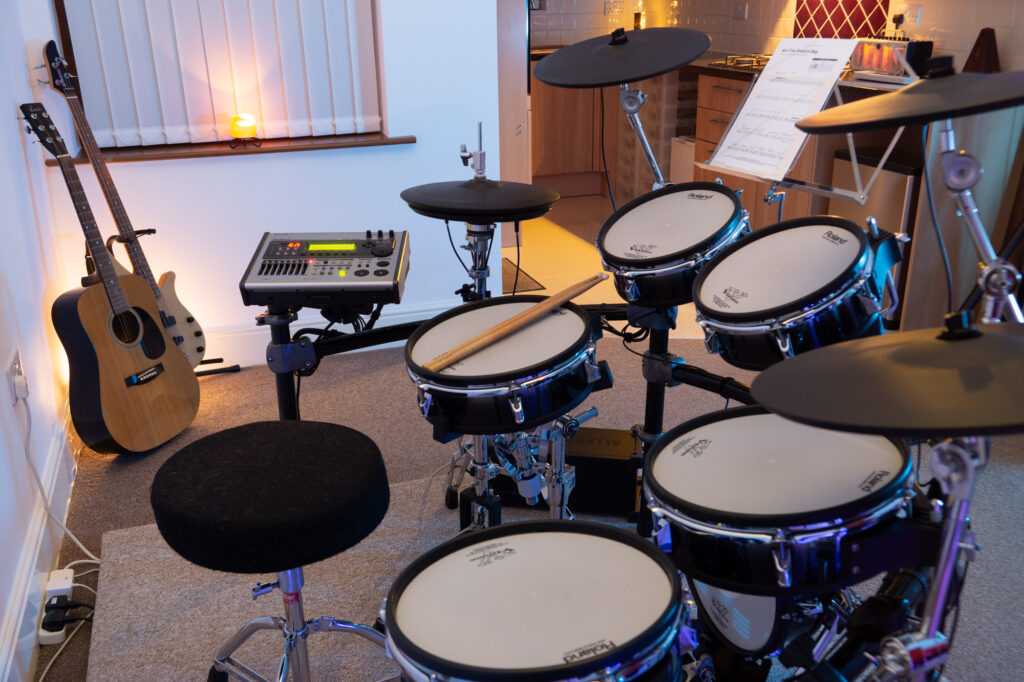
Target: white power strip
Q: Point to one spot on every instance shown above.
(59, 583)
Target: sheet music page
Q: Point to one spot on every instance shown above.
(797, 82)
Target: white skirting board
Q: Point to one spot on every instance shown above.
(21, 616)
(246, 345)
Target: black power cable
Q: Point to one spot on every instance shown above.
(604, 160)
(935, 220)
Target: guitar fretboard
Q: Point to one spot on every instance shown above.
(93, 238)
(124, 225)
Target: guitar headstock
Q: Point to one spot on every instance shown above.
(60, 78)
(39, 123)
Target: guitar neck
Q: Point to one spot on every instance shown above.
(93, 238)
(124, 225)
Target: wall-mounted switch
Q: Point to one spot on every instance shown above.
(740, 10)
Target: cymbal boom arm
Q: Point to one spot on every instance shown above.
(631, 100)
(998, 279)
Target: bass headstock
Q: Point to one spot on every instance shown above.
(60, 78)
(39, 123)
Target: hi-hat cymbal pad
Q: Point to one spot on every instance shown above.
(622, 57)
(926, 383)
(480, 201)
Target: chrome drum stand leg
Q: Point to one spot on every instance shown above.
(956, 465)
(295, 629)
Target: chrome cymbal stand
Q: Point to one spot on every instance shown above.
(631, 99)
(998, 279)
(478, 237)
(956, 464)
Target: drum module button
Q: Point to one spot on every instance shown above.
(383, 264)
(380, 273)
(381, 250)
(361, 273)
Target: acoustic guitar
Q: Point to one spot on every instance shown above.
(179, 323)
(130, 389)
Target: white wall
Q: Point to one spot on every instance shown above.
(30, 277)
(439, 72)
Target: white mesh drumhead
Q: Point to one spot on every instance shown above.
(531, 345)
(669, 224)
(763, 464)
(779, 269)
(533, 600)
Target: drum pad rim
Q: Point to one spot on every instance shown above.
(766, 314)
(549, 673)
(764, 521)
(686, 254)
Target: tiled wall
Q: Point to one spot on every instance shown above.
(952, 24)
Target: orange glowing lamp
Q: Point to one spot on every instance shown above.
(243, 126)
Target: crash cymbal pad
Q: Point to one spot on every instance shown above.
(622, 57)
(958, 381)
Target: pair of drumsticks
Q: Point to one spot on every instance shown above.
(512, 324)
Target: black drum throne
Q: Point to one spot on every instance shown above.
(271, 497)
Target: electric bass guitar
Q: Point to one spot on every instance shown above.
(130, 388)
(179, 323)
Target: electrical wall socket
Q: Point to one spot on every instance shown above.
(911, 15)
(740, 10)
(12, 370)
(614, 7)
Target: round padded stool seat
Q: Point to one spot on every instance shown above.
(270, 496)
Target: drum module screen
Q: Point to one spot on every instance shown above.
(323, 268)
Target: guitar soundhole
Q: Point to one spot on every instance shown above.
(126, 327)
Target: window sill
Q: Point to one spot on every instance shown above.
(223, 148)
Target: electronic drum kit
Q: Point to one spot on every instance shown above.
(771, 513)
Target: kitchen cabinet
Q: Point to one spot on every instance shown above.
(565, 137)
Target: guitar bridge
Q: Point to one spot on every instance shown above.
(145, 376)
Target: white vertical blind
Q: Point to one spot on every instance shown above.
(173, 71)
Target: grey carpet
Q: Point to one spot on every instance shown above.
(371, 391)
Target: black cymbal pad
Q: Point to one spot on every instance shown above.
(929, 99)
(480, 201)
(622, 57)
(905, 384)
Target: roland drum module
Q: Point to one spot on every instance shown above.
(316, 269)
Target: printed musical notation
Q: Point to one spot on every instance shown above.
(797, 81)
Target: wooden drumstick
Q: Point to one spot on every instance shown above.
(512, 324)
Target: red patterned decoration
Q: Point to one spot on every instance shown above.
(840, 18)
